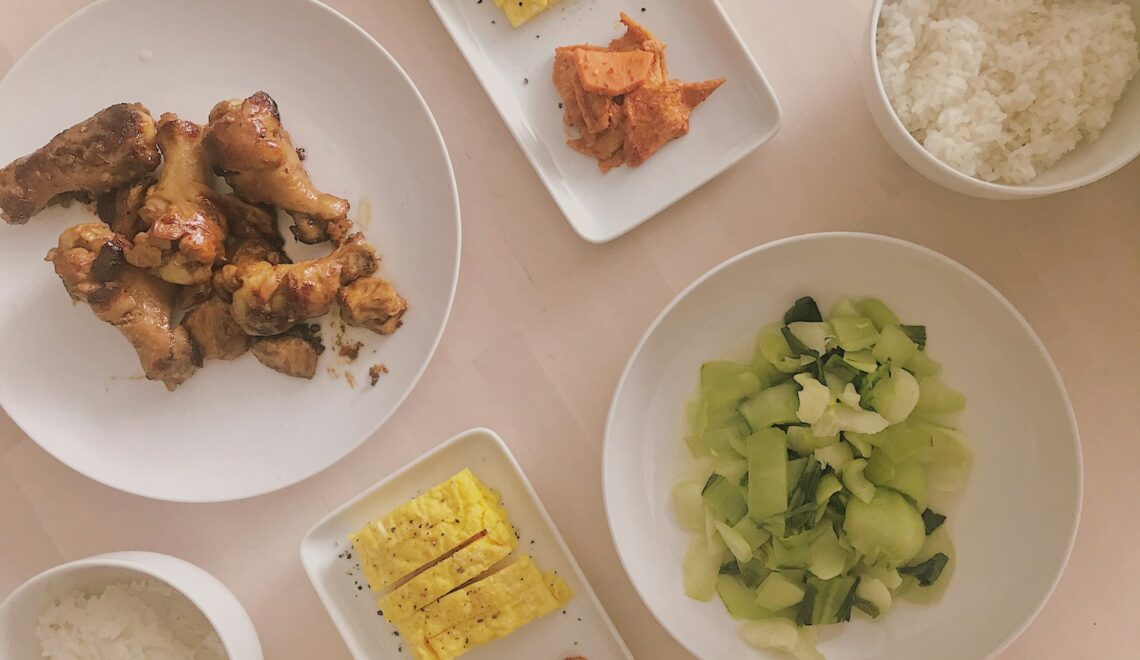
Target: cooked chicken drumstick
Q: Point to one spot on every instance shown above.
(114, 147)
(90, 262)
(271, 299)
(249, 147)
(372, 303)
(186, 229)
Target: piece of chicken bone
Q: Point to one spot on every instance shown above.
(185, 226)
(113, 148)
(90, 261)
(248, 145)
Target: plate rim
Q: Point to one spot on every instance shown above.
(454, 283)
(567, 205)
(608, 443)
(442, 448)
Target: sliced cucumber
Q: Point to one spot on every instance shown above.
(827, 601)
(895, 396)
(718, 371)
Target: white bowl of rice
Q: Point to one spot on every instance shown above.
(1008, 99)
(126, 606)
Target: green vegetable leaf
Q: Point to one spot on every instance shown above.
(827, 601)
(833, 363)
(794, 343)
(916, 333)
(804, 309)
(932, 521)
(927, 572)
(867, 607)
(869, 382)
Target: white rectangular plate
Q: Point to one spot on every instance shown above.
(514, 66)
(583, 630)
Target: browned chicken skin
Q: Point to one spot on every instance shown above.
(271, 299)
(120, 207)
(90, 262)
(186, 229)
(113, 148)
(249, 147)
(372, 303)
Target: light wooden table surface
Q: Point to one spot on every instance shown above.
(543, 323)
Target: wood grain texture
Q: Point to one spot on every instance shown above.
(543, 324)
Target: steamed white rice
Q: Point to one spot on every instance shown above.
(144, 620)
(1001, 89)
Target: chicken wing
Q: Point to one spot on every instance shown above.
(186, 229)
(372, 303)
(270, 299)
(249, 147)
(90, 262)
(113, 148)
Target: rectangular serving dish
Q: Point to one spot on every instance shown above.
(582, 629)
(514, 66)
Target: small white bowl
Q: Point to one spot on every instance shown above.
(20, 610)
(1012, 527)
(1117, 146)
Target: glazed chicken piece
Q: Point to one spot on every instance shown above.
(249, 147)
(120, 207)
(186, 229)
(213, 330)
(270, 299)
(91, 264)
(294, 353)
(113, 148)
(372, 303)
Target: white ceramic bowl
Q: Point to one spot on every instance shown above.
(1014, 524)
(21, 609)
(1117, 146)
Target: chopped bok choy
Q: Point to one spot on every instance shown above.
(820, 459)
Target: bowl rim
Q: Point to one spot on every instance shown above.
(1011, 190)
(1035, 341)
(453, 285)
(129, 560)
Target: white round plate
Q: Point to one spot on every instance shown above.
(236, 429)
(1012, 527)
